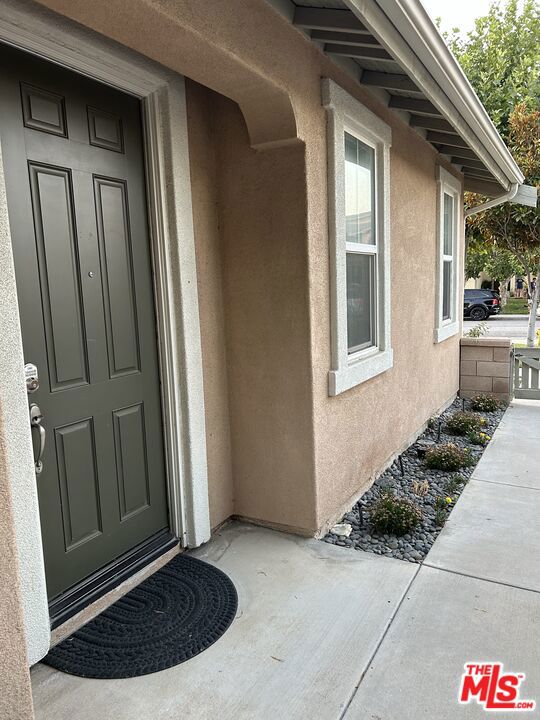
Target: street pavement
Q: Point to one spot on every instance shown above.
(512, 326)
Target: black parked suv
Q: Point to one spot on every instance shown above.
(480, 304)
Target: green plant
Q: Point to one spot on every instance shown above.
(454, 483)
(447, 457)
(440, 517)
(462, 423)
(485, 403)
(441, 503)
(395, 515)
(478, 438)
(477, 331)
(441, 506)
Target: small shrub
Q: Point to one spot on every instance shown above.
(420, 488)
(447, 457)
(462, 423)
(394, 515)
(440, 517)
(442, 503)
(485, 403)
(478, 330)
(441, 506)
(454, 483)
(478, 438)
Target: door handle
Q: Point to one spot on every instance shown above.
(36, 416)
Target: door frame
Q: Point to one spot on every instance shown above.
(163, 100)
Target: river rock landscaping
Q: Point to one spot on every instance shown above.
(413, 491)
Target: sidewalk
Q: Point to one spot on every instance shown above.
(510, 316)
(327, 633)
(476, 598)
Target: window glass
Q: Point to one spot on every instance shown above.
(360, 301)
(447, 293)
(448, 222)
(359, 191)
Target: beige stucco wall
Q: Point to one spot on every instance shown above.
(280, 450)
(15, 693)
(284, 458)
(265, 270)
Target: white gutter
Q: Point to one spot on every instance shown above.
(507, 197)
(407, 32)
(518, 194)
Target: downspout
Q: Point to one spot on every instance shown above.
(510, 195)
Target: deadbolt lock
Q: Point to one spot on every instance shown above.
(31, 377)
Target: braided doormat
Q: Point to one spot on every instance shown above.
(173, 615)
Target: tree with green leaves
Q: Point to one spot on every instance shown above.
(496, 262)
(516, 228)
(501, 58)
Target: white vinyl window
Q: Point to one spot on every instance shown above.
(361, 244)
(449, 194)
(358, 191)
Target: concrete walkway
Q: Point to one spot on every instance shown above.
(310, 619)
(476, 597)
(327, 633)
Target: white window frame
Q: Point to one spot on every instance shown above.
(447, 184)
(346, 114)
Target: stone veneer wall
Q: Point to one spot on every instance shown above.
(486, 365)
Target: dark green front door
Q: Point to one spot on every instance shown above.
(73, 158)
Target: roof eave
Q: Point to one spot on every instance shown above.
(405, 29)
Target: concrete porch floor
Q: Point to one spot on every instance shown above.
(325, 633)
(309, 620)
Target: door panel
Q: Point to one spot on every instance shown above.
(73, 157)
(43, 110)
(117, 273)
(131, 459)
(105, 130)
(59, 273)
(79, 488)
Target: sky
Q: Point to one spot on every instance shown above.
(456, 13)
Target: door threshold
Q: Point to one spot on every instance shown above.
(92, 588)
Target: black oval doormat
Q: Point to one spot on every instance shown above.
(170, 617)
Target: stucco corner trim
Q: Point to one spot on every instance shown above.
(345, 378)
(446, 331)
(446, 178)
(339, 102)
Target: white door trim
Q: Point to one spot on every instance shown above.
(175, 281)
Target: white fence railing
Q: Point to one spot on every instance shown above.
(527, 373)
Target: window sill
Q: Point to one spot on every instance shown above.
(446, 331)
(359, 371)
